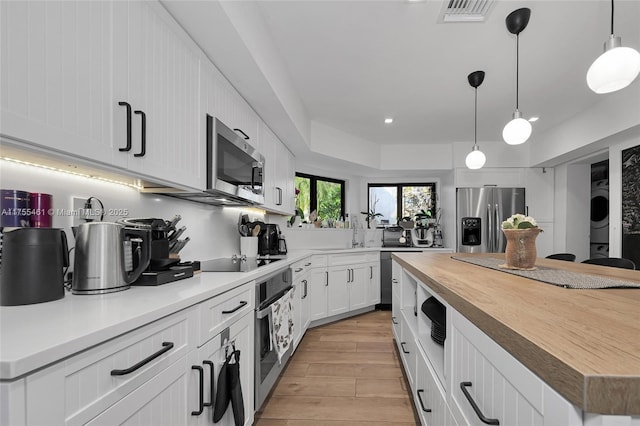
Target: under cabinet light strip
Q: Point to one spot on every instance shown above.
(42, 166)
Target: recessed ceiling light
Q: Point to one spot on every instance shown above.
(534, 119)
(388, 120)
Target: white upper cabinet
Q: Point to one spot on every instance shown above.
(279, 173)
(156, 71)
(84, 78)
(55, 60)
(230, 108)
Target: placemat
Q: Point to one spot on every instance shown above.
(553, 276)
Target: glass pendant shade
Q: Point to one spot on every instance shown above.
(476, 158)
(615, 69)
(517, 131)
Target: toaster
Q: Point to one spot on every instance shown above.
(395, 236)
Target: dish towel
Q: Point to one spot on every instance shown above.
(282, 324)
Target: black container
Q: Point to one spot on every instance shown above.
(33, 262)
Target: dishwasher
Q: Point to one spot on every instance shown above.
(385, 277)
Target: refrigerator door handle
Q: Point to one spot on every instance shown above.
(490, 228)
(498, 230)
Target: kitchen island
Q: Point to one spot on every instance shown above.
(583, 343)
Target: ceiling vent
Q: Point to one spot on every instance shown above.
(465, 10)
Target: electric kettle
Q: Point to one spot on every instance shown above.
(109, 257)
(33, 262)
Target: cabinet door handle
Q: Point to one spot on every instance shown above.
(403, 349)
(212, 377)
(393, 280)
(143, 135)
(242, 303)
(279, 203)
(128, 147)
(463, 386)
(200, 390)
(393, 320)
(244, 135)
(370, 272)
(307, 264)
(166, 347)
(304, 296)
(418, 392)
(298, 269)
(326, 282)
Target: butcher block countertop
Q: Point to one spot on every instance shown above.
(584, 343)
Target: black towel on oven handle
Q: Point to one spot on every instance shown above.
(229, 390)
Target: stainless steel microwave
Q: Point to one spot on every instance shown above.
(234, 167)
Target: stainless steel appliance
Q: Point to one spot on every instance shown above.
(267, 368)
(234, 168)
(108, 257)
(422, 237)
(396, 236)
(480, 213)
(33, 263)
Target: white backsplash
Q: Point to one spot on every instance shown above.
(212, 229)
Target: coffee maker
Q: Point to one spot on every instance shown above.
(271, 242)
(163, 267)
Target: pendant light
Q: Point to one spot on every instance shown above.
(518, 130)
(616, 68)
(476, 158)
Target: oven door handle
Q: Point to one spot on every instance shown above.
(267, 311)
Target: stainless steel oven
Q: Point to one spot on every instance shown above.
(267, 368)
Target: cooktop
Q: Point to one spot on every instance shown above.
(235, 264)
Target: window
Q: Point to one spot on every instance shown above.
(324, 195)
(395, 201)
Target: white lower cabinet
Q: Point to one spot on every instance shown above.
(318, 293)
(429, 397)
(159, 401)
(205, 372)
(489, 385)
(373, 283)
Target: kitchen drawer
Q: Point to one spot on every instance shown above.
(74, 391)
(350, 258)
(219, 312)
(319, 261)
(408, 350)
(429, 397)
(301, 267)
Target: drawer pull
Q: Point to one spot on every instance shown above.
(307, 264)
(403, 349)
(242, 304)
(393, 280)
(393, 320)
(463, 386)
(298, 270)
(210, 364)
(426, 410)
(200, 390)
(166, 347)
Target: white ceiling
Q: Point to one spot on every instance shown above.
(353, 63)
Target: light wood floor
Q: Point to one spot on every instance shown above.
(345, 373)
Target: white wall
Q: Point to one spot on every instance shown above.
(572, 209)
(213, 230)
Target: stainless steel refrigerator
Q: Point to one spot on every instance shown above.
(479, 215)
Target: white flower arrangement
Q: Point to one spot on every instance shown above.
(519, 221)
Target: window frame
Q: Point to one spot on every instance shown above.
(313, 190)
(399, 199)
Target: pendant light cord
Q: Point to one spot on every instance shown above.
(475, 121)
(517, 70)
(611, 17)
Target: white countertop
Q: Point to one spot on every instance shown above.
(33, 336)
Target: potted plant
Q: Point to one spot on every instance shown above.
(424, 218)
(371, 217)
